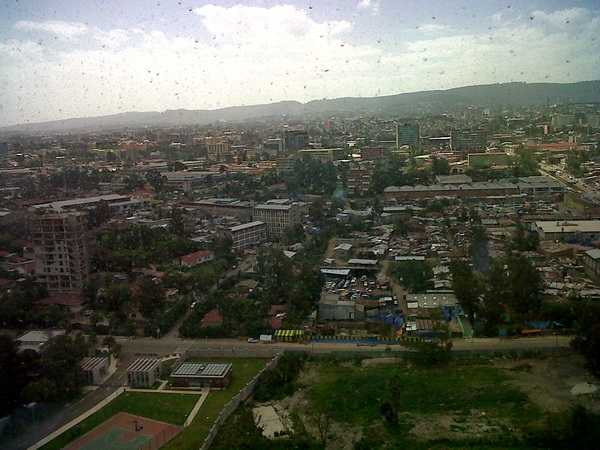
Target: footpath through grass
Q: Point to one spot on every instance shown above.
(244, 370)
(170, 408)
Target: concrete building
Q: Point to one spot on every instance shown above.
(277, 217)
(530, 186)
(187, 181)
(85, 202)
(360, 180)
(247, 235)
(200, 375)
(323, 154)
(407, 134)
(143, 372)
(61, 251)
(94, 369)
(374, 153)
(568, 231)
(468, 140)
(592, 259)
(295, 140)
(225, 206)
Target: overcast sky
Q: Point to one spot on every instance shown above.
(76, 58)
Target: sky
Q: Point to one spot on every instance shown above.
(83, 58)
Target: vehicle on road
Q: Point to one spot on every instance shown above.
(252, 340)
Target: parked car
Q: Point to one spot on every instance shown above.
(252, 340)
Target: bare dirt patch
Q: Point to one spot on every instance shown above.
(548, 382)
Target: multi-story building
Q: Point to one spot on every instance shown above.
(407, 134)
(359, 180)
(468, 140)
(374, 153)
(324, 154)
(61, 255)
(277, 217)
(247, 235)
(295, 140)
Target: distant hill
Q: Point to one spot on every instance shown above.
(515, 94)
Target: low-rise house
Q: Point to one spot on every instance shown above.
(94, 369)
(592, 259)
(197, 258)
(143, 372)
(212, 318)
(199, 375)
(36, 340)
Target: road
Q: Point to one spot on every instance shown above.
(578, 184)
(134, 348)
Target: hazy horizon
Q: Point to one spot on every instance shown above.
(87, 59)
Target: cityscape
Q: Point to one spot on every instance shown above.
(369, 266)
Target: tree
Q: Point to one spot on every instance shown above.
(177, 222)
(587, 337)
(495, 297)
(524, 288)
(150, 297)
(99, 214)
(12, 376)
(275, 270)
(117, 296)
(415, 275)
(467, 287)
(522, 242)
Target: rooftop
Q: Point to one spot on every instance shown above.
(202, 370)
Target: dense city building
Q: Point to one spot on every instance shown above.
(277, 218)
(61, 252)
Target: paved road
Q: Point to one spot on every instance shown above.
(133, 348)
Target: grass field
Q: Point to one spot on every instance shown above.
(354, 395)
(244, 369)
(170, 408)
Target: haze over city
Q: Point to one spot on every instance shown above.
(86, 58)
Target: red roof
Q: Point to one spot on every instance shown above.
(64, 299)
(276, 309)
(275, 322)
(195, 256)
(213, 317)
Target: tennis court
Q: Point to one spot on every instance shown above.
(126, 432)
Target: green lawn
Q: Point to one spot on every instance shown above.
(244, 369)
(166, 368)
(171, 408)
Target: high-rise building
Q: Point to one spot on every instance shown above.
(407, 134)
(295, 140)
(61, 251)
(277, 217)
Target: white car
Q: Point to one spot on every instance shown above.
(252, 340)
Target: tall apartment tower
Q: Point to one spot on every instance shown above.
(407, 134)
(61, 251)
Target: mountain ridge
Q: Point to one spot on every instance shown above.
(498, 94)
